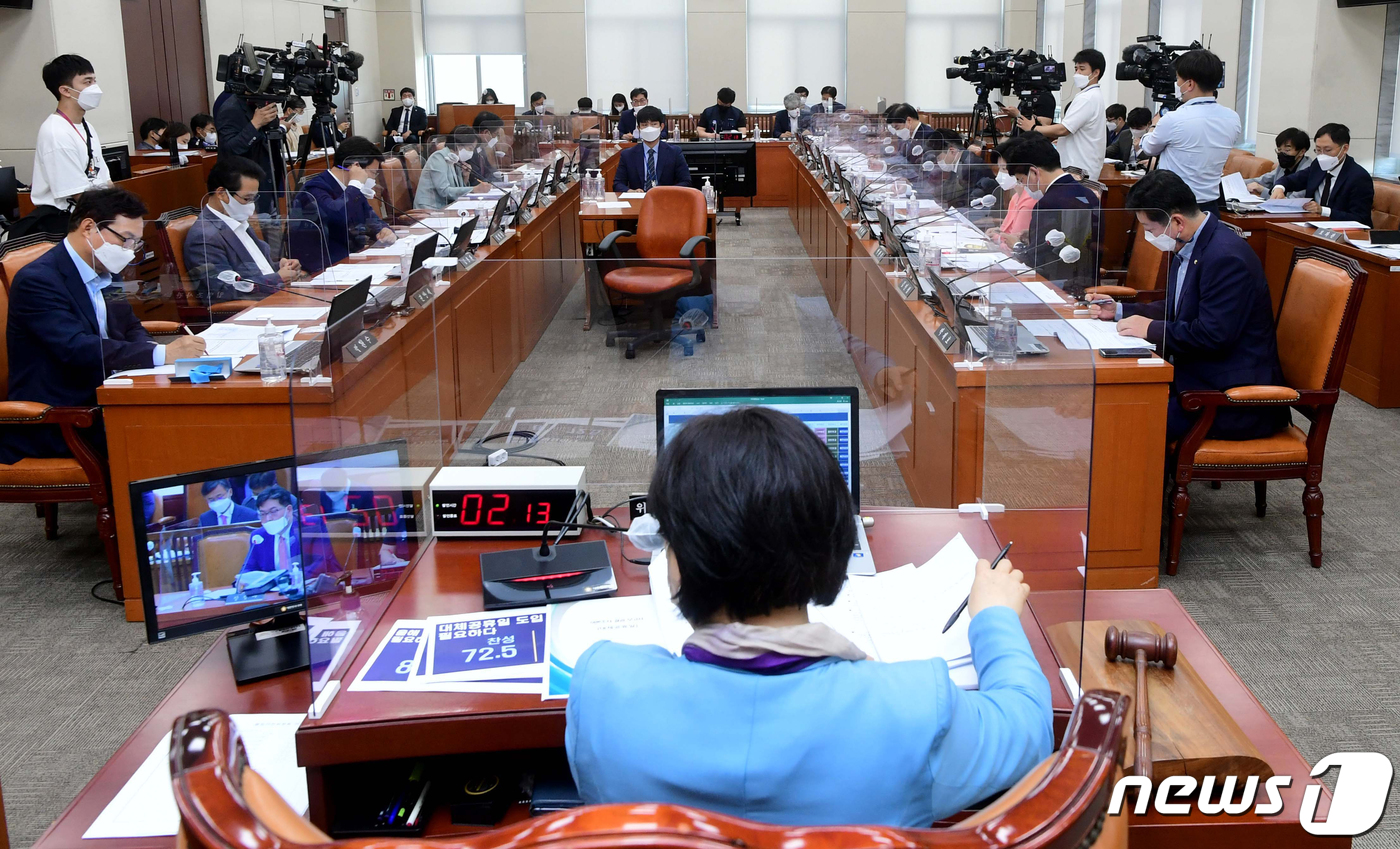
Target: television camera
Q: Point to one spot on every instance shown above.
(262, 75)
(1022, 72)
(1152, 62)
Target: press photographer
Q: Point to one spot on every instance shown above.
(257, 80)
(1080, 135)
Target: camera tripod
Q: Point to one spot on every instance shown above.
(984, 118)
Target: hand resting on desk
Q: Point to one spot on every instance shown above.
(1004, 586)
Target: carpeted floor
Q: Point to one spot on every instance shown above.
(1317, 647)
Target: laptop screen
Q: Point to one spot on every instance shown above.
(832, 413)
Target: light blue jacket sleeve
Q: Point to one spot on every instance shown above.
(997, 733)
(436, 188)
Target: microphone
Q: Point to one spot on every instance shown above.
(1068, 254)
(420, 222)
(233, 278)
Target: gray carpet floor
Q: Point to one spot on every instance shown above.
(1317, 647)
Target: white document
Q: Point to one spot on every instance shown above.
(577, 625)
(1235, 189)
(1339, 225)
(348, 275)
(238, 340)
(146, 372)
(1045, 326)
(145, 806)
(1098, 334)
(490, 646)
(613, 204)
(1284, 204)
(632, 195)
(845, 615)
(275, 314)
(1043, 292)
(397, 248)
(446, 225)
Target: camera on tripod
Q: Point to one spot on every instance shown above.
(262, 75)
(1022, 72)
(1152, 62)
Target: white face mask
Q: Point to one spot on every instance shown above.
(802, 99)
(211, 138)
(408, 103)
(650, 134)
(275, 526)
(90, 98)
(450, 156)
(491, 142)
(1327, 162)
(184, 145)
(794, 113)
(1176, 89)
(1037, 195)
(946, 167)
(1162, 241)
(1080, 81)
(645, 533)
(1139, 133)
(828, 103)
(112, 257)
(902, 133)
(237, 210)
(221, 505)
(1006, 181)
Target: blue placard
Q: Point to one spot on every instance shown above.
(489, 643)
(395, 659)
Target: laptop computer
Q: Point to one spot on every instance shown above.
(498, 215)
(462, 244)
(833, 413)
(421, 251)
(972, 328)
(341, 327)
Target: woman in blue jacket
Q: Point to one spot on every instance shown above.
(769, 716)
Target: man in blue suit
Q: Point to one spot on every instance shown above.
(912, 132)
(627, 121)
(1216, 325)
(219, 241)
(332, 215)
(790, 120)
(278, 544)
(1338, 186)
(218, 493)
(1065, 206)
(67, 333)
(653, 162)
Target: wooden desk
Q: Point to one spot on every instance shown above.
(364, 727)
(1252, 225)
(1117, 223)
(1373, 364)
(943, 464)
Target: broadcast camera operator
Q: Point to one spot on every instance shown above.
(1194, 140)
(1081, 135)
(242, 127)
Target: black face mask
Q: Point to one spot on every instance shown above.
(1287, 160)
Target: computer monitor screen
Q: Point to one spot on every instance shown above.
(833, 414)
(225, 546)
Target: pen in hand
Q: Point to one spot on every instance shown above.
(956, 613)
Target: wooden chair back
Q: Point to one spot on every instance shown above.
(1246, 164)
(342, 530)
(1147, 264)
(19, 253)
(412, 166)
(1385, 206)
(1316, 317)
(670, 216)
(173, 227)
(221, 555)
(396, 188)
(223, 803)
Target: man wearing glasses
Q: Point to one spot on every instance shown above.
(67, 332)
(220, 241)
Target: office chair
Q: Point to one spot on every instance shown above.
(222, 555)
(1316, 317)
(670, 243)
(173, 227)
(1144, 280)
(17, 253)
(1061, 804)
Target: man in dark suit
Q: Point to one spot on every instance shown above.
(720, 118)
(1216, 324)
(223, 510)
(242, 131)
(912, 133)
(406, 121)
(653, 162)
(1065, 206)
(789, 121)
(220, 241)
(67, 333)
(278, 543)
(331, 216)
(1339, 187)
(829, 102)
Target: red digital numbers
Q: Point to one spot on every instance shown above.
(543, 514)
(385, 511)
(467, 505)
(500, 508)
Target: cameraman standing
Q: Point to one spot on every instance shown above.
(244, 132)
(1081, 136)
(1194, 140)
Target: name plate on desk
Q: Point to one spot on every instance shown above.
(945, 337)
(881, 254)
(864, 232)
(356, 349)
(423, 296)
(908, 288)
(525, 216)
(500, 236)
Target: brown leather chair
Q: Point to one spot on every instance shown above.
(412, 166)
(1385, 207)
(172, 228)
(1247, 165)
(343, 540)
(1061, 804)
(18, 253)
(1145, 278)
(1317, 313)
(49, 481)
(670, 243)
(222, 555)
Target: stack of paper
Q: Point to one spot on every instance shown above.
(1284, 204)
(341, 276)
(404, 243)
(496, 652)
(1093, 333)
(238, 340)
(1235, 189)
(575, 626)
(276, 314)
(1339, 225)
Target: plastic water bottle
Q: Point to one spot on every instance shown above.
(709, 192)
(1003, 337)
(617, 131)
(272, 354)
(405, 263)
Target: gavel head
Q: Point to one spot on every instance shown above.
(1125, 645)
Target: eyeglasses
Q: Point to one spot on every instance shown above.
(130, 243)
(273, 512)
(242, 198)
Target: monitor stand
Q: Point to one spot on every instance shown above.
(273, 649)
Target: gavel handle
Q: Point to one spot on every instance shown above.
(1142, 734)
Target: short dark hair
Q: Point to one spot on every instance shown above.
(208, 486)
(463, 134)
(1091, 57)
(152, 125)
(725, 96)
(407, 90)
(1202, 67)
(901, 112)
(947, 138)
(638, 90)
(1004, 151)
(1336, 132)
(802, 89)
(585, 102)
(1293, 136)
(293, 102)
(1116, 110)
(1035, 150)
(104, 205)
(756, 513)
(173, 131)
(229, 171)
(1161, 194)
(360, 149)
(262, 480)
(61, 70)
(275, 493)
(650, 113)
(487, 122)
(200, 121)
(538, 95)
(1139, 117)
(829, 89)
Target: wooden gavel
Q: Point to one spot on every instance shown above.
(1144, 648)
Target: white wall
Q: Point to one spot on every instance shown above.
(29, 39)
(555, 58)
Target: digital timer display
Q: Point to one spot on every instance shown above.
(500, 512)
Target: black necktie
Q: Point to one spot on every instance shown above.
(651, 168)
(1326, 190)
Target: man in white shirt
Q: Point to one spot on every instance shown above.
(1194, 140)
(1081, 135)
(68, 153)
(223, 257)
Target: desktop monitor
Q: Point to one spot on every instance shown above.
(462, 244)
(118, 160)
(9, 193)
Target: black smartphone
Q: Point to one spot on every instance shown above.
(1125, 353)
